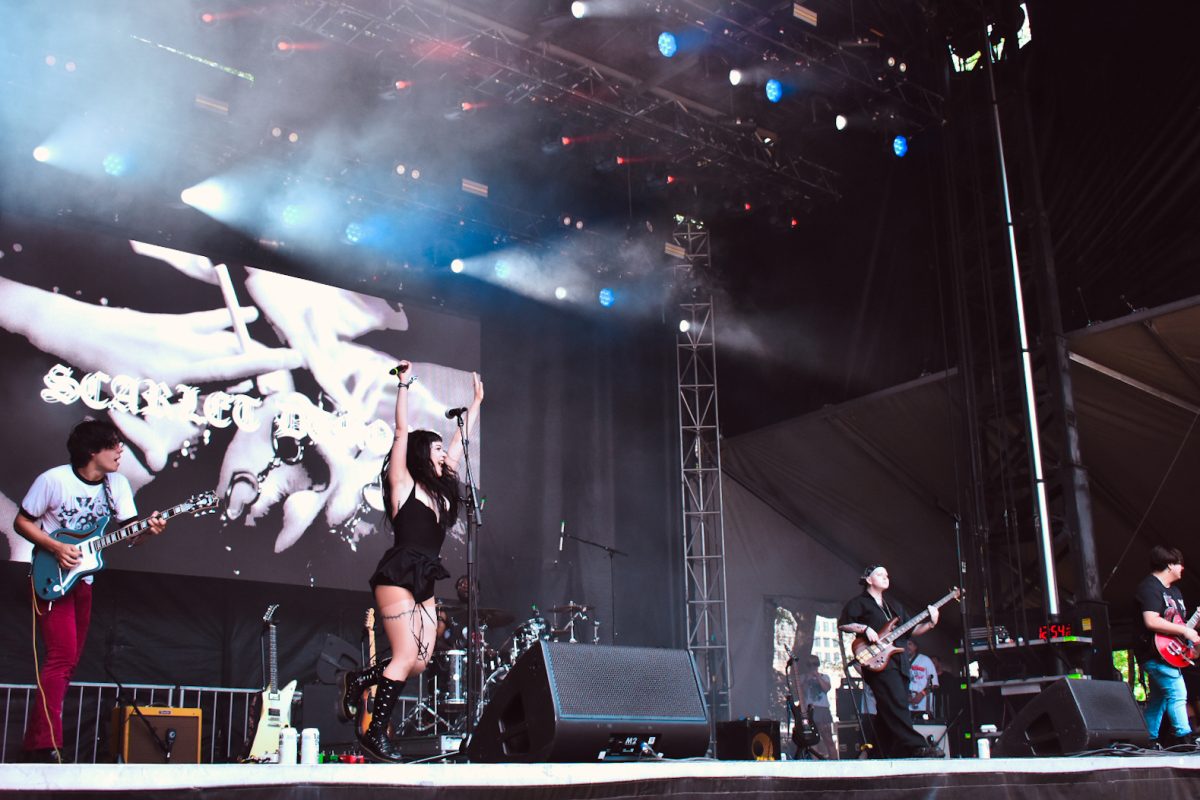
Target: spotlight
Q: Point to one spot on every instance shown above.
(684, 326)
(902, 67)
(415, 173)
(668, 45)
(735, 77)
(208, 197)
(501, 269)
(291, 215)
(578, 10)
(891, 61)
(401, 85)
(293, 137)
(774, 90)
(840, 122)
(401, 169)
(607, 297)
(354, 232)
(900, 146)
(457, 265)
(566, 141)
(276, 132)
(560, 293)
(41, 153)
(566, 220)
(578, 224)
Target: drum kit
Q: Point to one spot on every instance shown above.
(442, 692)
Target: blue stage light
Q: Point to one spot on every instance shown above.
(114, 164)
(354, 233)
(900, 146)
(607, 297)
(668, 45)
(291, 215)
(774, 90)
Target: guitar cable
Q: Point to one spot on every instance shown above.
(37, 667)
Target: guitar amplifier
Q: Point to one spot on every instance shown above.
(131, 743)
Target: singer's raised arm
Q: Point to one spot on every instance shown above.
(397, 467)
(455, 451)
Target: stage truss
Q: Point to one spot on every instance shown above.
(700, 471)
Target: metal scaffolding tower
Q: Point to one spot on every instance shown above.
(700, 470)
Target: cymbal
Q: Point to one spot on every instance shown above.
(571, 608)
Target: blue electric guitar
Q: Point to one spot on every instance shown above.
(51, 581)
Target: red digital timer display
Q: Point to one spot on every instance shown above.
(1058, 631)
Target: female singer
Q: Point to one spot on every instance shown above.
(420, 495)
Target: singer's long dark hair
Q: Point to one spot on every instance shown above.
(443, 490)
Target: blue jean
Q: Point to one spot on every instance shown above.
(1168, 696)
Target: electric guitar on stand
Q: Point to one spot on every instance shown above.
(876, 655)
(367, 704)
(275, 711)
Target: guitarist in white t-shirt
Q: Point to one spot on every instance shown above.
(72, 496)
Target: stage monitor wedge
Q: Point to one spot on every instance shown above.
(1074, 716)
(575, 702)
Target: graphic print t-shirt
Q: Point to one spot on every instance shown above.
(1151, 595)
(60, 498)
(922, 676)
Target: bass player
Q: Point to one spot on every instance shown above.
(867, 615)
(1160, 604)
(71, 496)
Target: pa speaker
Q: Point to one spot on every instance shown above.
(1072, 716)
(179, 728)
(583, 702)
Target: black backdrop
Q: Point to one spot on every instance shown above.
(580, 422)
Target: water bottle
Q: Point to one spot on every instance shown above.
(310, 743)
(287, 746)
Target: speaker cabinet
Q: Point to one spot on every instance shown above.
(582, 702)
(1071, 716)
(748, 740)
(133, 744)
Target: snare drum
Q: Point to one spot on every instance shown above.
(453, 689)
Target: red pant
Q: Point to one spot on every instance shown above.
(64, 625)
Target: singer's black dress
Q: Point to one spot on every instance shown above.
(414, 559)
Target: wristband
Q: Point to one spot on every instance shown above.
(410, 382)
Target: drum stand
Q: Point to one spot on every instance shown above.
(426, 705)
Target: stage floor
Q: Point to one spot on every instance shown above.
(1161, 777)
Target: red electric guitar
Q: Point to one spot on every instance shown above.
(1177, 650)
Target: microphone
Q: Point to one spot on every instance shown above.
(452, 413)
(398, 370)
(562, 534)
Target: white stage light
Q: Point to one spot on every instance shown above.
(578, 10)
(208, 197)
(41, 153)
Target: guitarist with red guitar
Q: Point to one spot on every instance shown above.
(74, 497)
(1167, 644)
(883, 666)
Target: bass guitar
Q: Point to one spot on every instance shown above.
(52, 582)
(275, 712)
(876, 655)
(1177, 650)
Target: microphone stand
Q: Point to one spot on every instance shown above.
(474, 523)
(612, 589)
(123, 699)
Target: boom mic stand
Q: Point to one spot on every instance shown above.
(474, 523)
(612, 588)
(124, 699)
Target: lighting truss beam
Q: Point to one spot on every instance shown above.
(520, 69)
